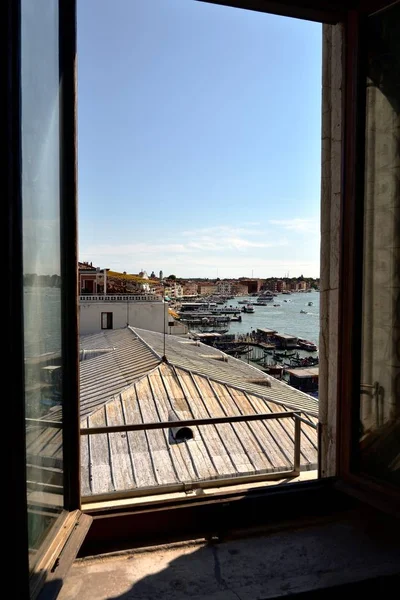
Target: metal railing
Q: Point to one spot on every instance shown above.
(205, 483)
(189, 486)
(120, 298)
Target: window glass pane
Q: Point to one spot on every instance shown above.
(379, 442)
(40, 120)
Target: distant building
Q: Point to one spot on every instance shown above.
(253, 285)
(240, 289)
(190, 289)
(91, 280)
(206, 289)
(224, 287)
(291, 286)
(144, 287)
(161, 275)
(280, 286)
(173, 290)
(271, 285)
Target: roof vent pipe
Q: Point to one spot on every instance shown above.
(179, 433)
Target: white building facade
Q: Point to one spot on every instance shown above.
(97, 313)
(174, 290)
(225, 288)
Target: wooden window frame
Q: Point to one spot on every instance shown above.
(353, 16)
(378, 493)
(68, 531)
(228, 505)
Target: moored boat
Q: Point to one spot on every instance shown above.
(307, 345)
(248, 308)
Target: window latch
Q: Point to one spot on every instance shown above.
(374, 389)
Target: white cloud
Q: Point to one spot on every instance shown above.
(226, 230)
(298, 225)
(131, 250)
(221, 239)
(229, 243)
(222, 250)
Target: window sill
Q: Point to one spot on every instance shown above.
(352, 550)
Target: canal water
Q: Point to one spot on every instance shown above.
(285, 318)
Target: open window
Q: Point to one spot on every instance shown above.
(368, 400)
(359, 413)
(41, 261)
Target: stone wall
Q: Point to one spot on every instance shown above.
(330, 241)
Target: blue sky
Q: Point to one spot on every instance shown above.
(198, 139)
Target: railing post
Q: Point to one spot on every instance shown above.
(297, 435)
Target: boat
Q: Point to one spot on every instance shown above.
(263, 300)
(242, 301)
(307, 345)
(285, 353)
(248, 308)
(303, 312)
(309, 304)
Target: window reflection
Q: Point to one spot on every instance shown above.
(380, 374)
(40, 119)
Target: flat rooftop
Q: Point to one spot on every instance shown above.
(311, 372)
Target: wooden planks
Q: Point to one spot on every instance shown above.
(138, 445)
(262, 430)
(308, 455)
(86, 464)
(229, 433)
(246, 432)
(220, 439)
(100, 471)
(122, 461)
(281, 442)
(204, 448)
(179, 453)
(163, 466)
